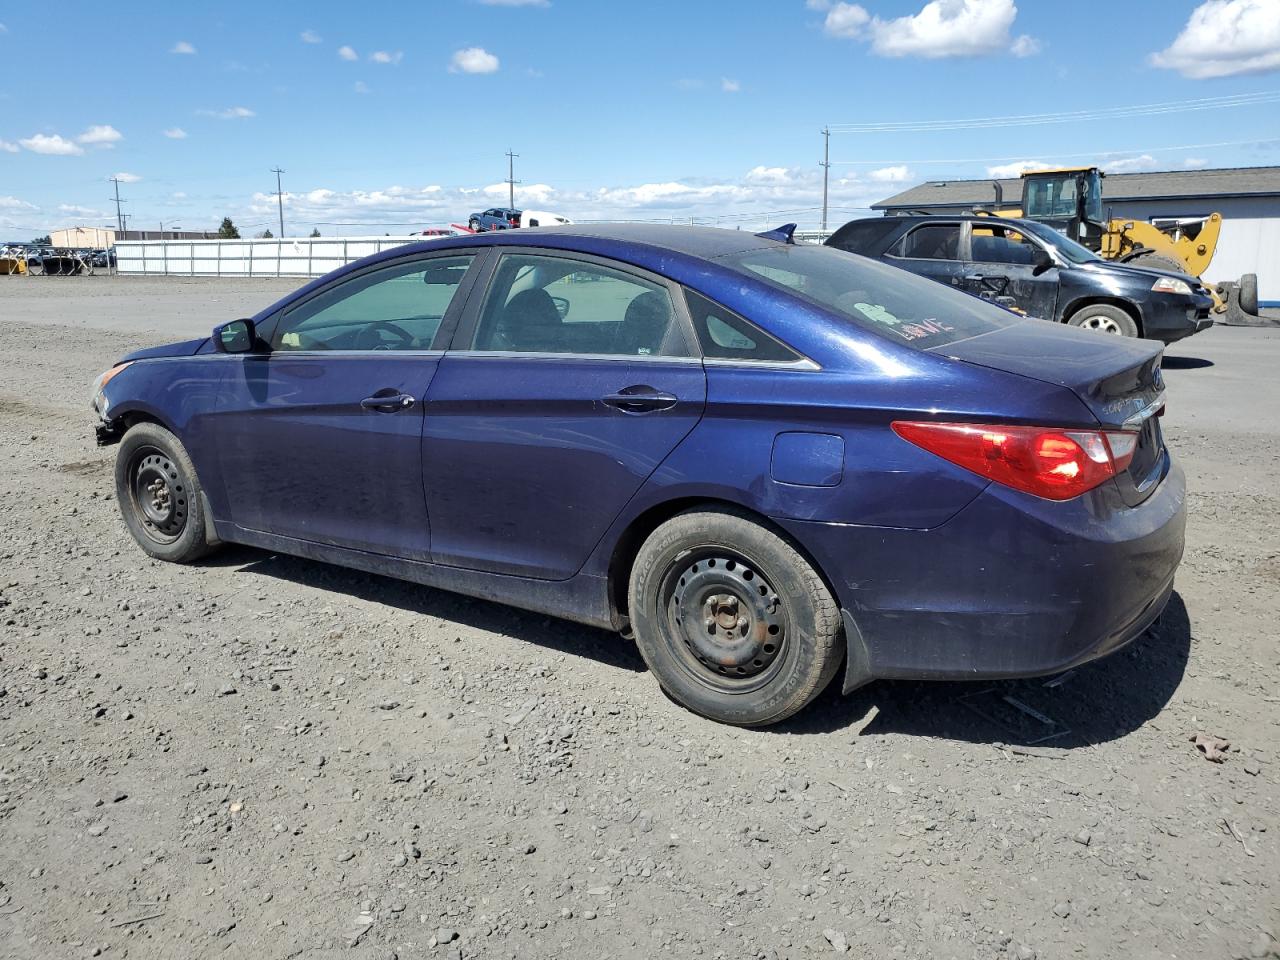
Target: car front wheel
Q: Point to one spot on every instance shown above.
(1104, 318)
(159, 495)
(732, 620)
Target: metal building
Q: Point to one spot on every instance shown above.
(1247, 197)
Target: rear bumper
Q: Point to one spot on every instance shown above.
(1012, 586)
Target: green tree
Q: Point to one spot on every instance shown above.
(42, 241)
(228, 230)
(315, 232)
(265, 235)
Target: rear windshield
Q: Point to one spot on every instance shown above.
(875, 296)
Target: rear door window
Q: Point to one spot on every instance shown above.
(997, 244)
(933, 241)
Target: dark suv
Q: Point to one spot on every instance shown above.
(495, 218)
(1031, 268)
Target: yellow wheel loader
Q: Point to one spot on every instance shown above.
(12, 262)
(1070, 200)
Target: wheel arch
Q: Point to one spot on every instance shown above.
(627, 545)
(1089, 300)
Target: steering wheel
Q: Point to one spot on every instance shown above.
(369, 337)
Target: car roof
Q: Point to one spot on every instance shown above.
(937, 218)
(705, 242)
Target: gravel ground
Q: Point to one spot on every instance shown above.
(265, 757)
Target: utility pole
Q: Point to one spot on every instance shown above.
(119, 218)
(279, 197)
(826, 172)
(511, 178)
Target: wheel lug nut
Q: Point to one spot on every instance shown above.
(742, 623)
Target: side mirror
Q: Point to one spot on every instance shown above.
(235, 336)
(1041, 259)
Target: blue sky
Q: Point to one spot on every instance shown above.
(392, 116)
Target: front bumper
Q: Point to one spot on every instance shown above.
(1012, 586)
(1173, 317)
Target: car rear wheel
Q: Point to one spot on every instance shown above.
(159, 495)
(732, 620)
(1104, 318)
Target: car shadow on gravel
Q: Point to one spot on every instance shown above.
(1094, 703)
(550, 632)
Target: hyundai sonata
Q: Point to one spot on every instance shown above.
(761, 459)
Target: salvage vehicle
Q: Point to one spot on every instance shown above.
(495, 218)
(1070, 201)
(758, 458)
(1034, 269)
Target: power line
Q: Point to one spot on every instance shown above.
(1073, 116)
(1054, 153)
(279, 197)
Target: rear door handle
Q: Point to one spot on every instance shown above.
(388, 404)
(643, 400)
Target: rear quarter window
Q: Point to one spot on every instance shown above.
(863, 236)
(873, 296)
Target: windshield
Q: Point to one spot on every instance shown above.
(885, 300)
(1064, 245)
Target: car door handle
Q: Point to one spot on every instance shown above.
(388, 404)
(641, 401)
(973, 278)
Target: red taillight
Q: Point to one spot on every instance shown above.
(1048, 462)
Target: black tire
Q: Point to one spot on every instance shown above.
(1248, 294)
(160, 496)
(474, 225)
(753, 661)
(1157, 261)
(1105, 318)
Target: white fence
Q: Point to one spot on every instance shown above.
(300, 257)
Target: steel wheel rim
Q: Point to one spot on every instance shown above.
(159, 493)
(724, 620)
(1101, 324)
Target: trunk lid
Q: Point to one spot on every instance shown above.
(1117, 378)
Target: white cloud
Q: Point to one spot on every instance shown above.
(745, 200)
(1225, 37)
(74, 210)
(897, 174)
(7, 147)
(230, 113)
(361, 87)
(942, 28)
(310, 36)
(1007, 171)
(182, 46)
(729, 86)
(818, 4)
(1130, 164)
(52, 144)
(771, 175)
(101, 135)
(176, 133)
(1025, 46)
(844, 20)
(383, 56)
(346, 53)
(947, 28)
(128, 178)
(1195, 163)
(13, 203)
(3, 28)
(473, 60)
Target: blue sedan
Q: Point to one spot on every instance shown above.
(761, 459)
